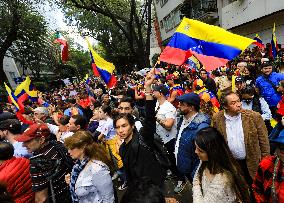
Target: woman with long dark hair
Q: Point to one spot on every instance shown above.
(218, 178)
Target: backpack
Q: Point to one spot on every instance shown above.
(159, 150)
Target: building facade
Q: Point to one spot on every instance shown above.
(11, 71)
(250, 17)
(169, 13)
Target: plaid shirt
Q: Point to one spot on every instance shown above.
(262, 183)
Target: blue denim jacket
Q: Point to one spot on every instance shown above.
(187, 160)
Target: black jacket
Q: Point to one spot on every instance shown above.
(210, 85)
(139, 161)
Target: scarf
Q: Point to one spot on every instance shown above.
(78, 167)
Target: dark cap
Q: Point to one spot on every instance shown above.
(11, 125)
(266, 64)
(161, 88)
(34, 131)
(239, 79)
(190, 98)
(6, 115)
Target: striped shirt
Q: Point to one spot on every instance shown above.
(47, 164)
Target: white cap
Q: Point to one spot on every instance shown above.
(43, 110)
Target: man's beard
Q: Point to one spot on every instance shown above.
(183, 112)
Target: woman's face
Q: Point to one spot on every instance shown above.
(123, 128)
(96, 114)
(201, 153)
(101, 114)
(76, 153)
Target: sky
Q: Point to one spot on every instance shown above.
(55, 18)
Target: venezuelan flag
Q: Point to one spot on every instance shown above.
(87, 79)
(258, 41)
(102, 68)
(11, 97)
(193, 36)
(26, 87)
(274, 45)
(193, 63)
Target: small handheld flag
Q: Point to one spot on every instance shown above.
(12, 98)
(258, 41)
(274, 46)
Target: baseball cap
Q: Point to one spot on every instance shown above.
(6, 115)
(161, 88)
(34, 131)
(11, 125)
(41, 110)
(190, 98)
(239, 79)
(171, 77)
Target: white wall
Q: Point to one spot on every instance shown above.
(264, 28)
(10, 70)
(243, 11)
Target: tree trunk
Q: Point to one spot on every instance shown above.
(11, 37)
(3, 77)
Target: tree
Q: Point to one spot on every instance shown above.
(23, 35)
(128, 20)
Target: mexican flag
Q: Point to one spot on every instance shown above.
(64, 46)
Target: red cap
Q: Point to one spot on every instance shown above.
(33, 131)
(171, 77)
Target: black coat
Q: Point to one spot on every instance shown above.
(138, 161)
(210, 85)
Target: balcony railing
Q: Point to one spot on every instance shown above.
(204, 8)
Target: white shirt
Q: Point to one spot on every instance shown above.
(166, 111)
(266, 113)
(20, 150)
(235, 136)
(106, 128)
(54, 129)
(184, 124)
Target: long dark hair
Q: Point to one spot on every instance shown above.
(220, 160)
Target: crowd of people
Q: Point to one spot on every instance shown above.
(220, 131)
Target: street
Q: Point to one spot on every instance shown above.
(184, 197)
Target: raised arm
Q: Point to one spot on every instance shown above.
(149, 127)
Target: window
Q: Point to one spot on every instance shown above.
(161, 24)
(171, 20)
(163, 2)
(231, 1)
